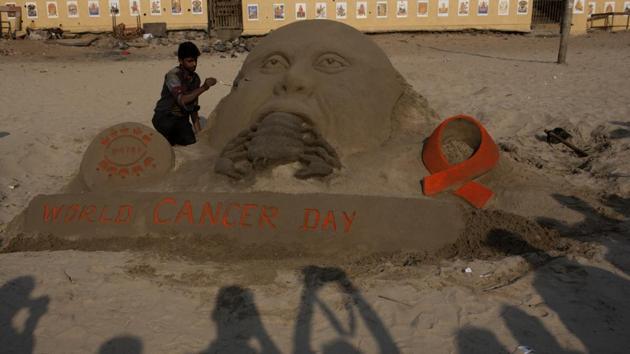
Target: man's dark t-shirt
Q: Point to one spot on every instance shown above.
(171, 116)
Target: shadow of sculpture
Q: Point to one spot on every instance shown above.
(590, 302)
(122, 345)
(238, 322)
(315, 278)
(15, 296)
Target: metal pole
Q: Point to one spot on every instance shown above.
(565, 29)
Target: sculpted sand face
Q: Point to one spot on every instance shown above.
(311, 91)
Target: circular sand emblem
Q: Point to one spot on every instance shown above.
(125, 154)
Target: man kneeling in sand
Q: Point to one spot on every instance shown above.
(179, 98)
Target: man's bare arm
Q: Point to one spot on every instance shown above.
(190, 97)
(195, 121)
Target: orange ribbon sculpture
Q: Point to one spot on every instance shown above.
(444, 175)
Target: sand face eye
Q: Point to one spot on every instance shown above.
(331, 63)
(274, 64)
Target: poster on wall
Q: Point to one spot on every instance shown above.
(155, 7)
(31, 9)
(341, 10)
(134, 7)
(252, 12)
(442, 8)
(176, 7)
(196, 7)
(422, 7)
(381, 9)
(626, 7)
(94, 8)
(114, 7)
(320, 10)
(278, 12)
(504, 7)
(10, 15)
(463, 7)
(609, 6)
(362, 7)
(522, 6)
(51, 9)
(401, 8)
(483, 7)
(578, 7)
(300, 11)
(592, 6)
(73, 8)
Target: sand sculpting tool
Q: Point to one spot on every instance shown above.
(444, 174)
(559, 135)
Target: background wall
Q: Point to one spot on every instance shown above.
(83, 22)
(192, 17)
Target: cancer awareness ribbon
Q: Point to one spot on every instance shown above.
(444, 175)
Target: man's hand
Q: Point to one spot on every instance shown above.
(209, 83)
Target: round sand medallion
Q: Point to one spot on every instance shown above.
(126, 154)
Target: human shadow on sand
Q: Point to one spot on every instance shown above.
(122, 345)
(238, 322)
(590, 302)
(596, 222)
(315, 278)
(620, 133)
(15, 296)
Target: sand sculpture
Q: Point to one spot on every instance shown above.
(330, 93)
(316, 100)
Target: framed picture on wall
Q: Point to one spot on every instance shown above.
(381, 9)
(442, 8)
(114, 7)
(609, 6)
(300, 11)
(252, 12)
(626, 7)
(176, 7)
(341, 10)
(134, 7)
(73, 8)
(94, 8)
(463, 7)
(483, 7)
(31, 10)
(155, 7)
(278, 12)
(592, 7)
(196, 7)
(51, 9)
(362, 9)
(401, 8)
(504, 7)
(422, 8)
(578, 7)
(320, 10)
(521, 7)
(10, 15)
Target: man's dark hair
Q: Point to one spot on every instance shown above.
(188, 50)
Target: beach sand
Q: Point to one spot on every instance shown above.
(566, 297)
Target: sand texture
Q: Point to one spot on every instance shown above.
(544, 266)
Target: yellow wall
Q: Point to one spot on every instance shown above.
(266, 22)
(511, 22)
(85, 23)
(619, 7)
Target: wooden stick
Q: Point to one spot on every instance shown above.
(577, 150)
